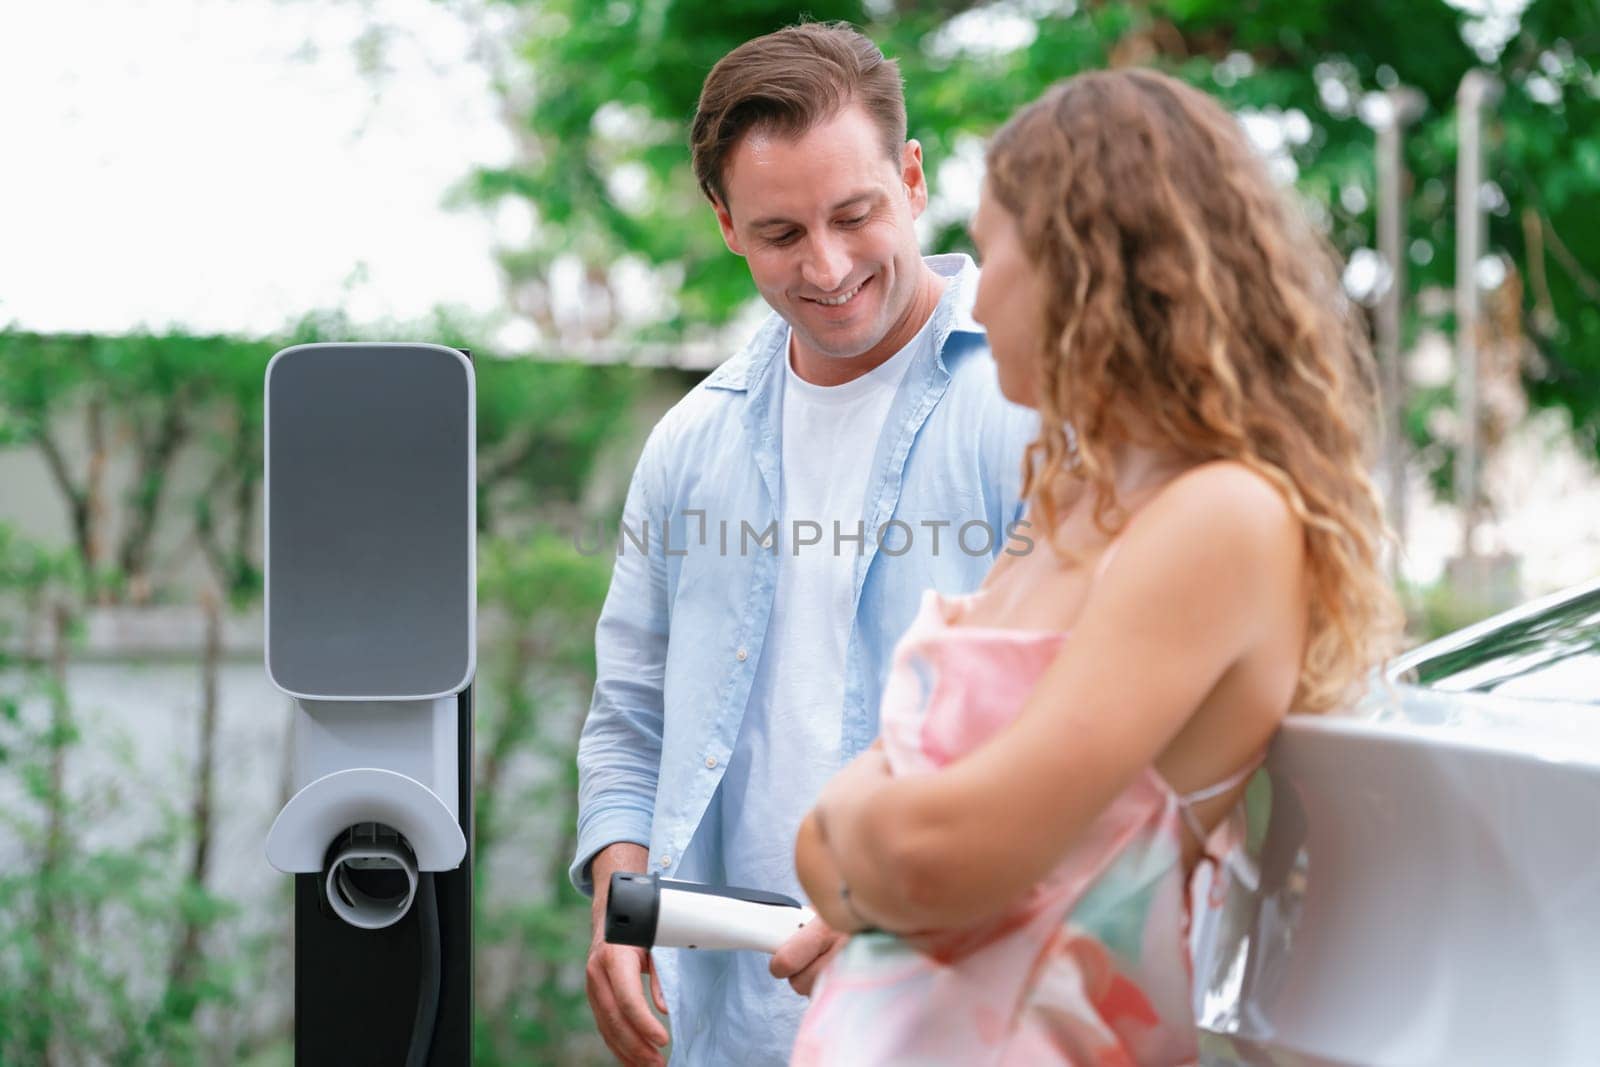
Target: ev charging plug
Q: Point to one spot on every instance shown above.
(649, 911)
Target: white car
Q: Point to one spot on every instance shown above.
(1421, 881)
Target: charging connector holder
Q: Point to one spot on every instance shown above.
(411, 785)
(372, 876)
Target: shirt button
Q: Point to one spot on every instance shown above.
(711, 762)
(741, 655)
(666, 861)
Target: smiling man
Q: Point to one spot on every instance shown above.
(780, 529)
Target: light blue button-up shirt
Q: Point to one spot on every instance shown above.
(680, 636)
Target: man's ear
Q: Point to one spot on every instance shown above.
(725, 222)
(913, 178)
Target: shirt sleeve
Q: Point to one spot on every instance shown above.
(619, 752)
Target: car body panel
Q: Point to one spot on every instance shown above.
(1419, 885)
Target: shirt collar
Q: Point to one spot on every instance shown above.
(963, 290)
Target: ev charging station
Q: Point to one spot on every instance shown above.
(370, 573)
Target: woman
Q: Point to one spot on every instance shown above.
(1057, 748)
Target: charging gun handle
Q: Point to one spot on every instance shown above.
(650, 911)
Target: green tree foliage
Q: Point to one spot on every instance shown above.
(86, 928)
(146, 397)
(544, 599)
(603, 94)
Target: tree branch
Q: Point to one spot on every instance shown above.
(509, 732)
(52, 919)
(1581, 277)
(155, 460)
(77, 502)
(95, 493)
(180, 999)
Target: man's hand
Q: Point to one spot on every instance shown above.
(613, 975)
(801, 958)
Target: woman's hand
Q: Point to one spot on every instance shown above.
(816, 856)
(848, 793)
(819, 875)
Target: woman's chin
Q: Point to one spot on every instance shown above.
(1019, 395)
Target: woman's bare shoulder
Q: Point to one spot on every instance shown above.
(1227, 500)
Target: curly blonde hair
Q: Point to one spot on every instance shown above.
(1189, 290)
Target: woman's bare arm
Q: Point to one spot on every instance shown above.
(1209, 569)
(818, 871)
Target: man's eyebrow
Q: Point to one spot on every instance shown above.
(761, 224)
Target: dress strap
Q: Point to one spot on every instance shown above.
(1201, 795)
(1187, 801)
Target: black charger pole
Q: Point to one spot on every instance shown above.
(355, 990)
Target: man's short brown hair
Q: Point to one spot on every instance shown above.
(789, 81)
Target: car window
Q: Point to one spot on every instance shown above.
(1552, 654)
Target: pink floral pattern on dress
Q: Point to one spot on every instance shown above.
(1090, 968)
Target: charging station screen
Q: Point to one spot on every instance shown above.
(369, 525)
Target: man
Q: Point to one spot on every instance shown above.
(780, 529)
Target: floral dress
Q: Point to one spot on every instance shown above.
(1090, 968)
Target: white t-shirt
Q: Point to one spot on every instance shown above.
(789, 744)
